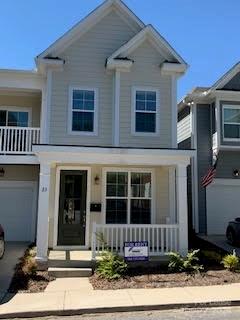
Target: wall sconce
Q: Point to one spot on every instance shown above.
(236, 173)
(2, 172)
(97, 179)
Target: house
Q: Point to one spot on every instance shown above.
(88, 141)
(209, 121)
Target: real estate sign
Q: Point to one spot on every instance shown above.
(136, 251)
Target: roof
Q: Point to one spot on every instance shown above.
(161, 44)
(226, 77)
(85, 24)
(203, 92)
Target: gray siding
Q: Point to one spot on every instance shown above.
(204, 146)
(146, 73)
(234, 83)
(186, 144)
(183, 113)
(85, 66)
(227, 162)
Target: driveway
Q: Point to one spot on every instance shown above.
(13, 251)
(221, 242)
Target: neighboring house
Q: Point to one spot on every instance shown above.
(96, 125)
(209, 121)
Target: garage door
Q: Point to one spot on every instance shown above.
(223, 205)
(18, 210)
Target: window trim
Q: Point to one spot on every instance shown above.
(229, 106)
(19, 109)
(95, 112)
(129, 170)
(134, 111)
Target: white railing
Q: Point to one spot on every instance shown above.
(18, 140)
(184, 129)
(162, 238)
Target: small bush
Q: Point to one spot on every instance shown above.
(190, 263)
(231, 261)
(29, 266)
(112, 266)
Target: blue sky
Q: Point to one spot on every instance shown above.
(204, 32)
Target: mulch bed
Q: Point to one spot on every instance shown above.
(29, 283)
(25, 282)
(156, 279)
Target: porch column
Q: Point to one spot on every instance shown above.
(182, 209)
(43, 215)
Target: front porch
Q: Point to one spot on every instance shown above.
(120, 194)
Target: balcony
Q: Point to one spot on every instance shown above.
(18, 140)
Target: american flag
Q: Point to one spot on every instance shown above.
(208, 178)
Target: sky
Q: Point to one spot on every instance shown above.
(204, 32)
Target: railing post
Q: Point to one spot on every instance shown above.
(94, 230)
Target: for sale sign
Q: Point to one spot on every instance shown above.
(136, 251)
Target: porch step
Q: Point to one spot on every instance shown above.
(69, 272)
(74, 264)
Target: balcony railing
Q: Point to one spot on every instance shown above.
(18, 140)
(162, 238)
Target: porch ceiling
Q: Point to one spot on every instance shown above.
(109, 155)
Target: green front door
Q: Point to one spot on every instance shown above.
(72, 208)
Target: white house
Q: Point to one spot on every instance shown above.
(88, 141)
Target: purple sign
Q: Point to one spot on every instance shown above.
(136, 251)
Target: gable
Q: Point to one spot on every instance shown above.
(150, 34)
(99, 42)
(233, 84)
(89, 22)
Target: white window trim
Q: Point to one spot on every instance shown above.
(19, 109)
(133, 122)
(70, 110)
(229, 106)
(129, 170)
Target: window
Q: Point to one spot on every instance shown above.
(83, 107)
(128, 197)
(13, 118)
(231, 122)
(146, 105)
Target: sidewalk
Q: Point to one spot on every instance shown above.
(76, 296)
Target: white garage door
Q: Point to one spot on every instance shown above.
(18, 210)
(223, 204)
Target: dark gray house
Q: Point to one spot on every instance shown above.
(209, 121)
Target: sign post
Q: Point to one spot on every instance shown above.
(136, 251)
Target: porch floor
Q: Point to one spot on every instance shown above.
(70, 255)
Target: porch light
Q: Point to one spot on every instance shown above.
(2, 172)
(97, 179)
(236, 173)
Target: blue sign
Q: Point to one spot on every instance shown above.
(136, 251)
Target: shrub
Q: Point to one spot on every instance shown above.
(29, 266)
(190, 263)
(112, 266)
(231, 261)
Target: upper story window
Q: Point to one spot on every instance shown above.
(83, 111)
(145, 111)
(231, 122)
(12, 118)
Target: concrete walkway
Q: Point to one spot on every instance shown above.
(76, 296)
(13, 251)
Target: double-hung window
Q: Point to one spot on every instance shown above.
(12, 118)
(128, 197)
(231, 122)
(145, 111)
(83, 111)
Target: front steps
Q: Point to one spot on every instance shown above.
(69, 272)
(70, 264)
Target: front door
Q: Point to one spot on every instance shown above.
(72, 208)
